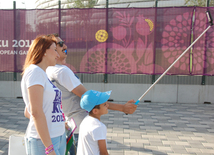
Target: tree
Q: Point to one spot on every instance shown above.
(202, 3)
(82, 3)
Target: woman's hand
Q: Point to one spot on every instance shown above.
(66, 126)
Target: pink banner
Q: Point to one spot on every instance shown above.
(131, 41)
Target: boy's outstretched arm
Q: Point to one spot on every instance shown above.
(128, 108)
(102, 147)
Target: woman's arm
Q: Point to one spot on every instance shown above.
(102, 147)
(35, 93)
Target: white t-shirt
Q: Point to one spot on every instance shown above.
(34, 75)
(66, 81)
(91, 130)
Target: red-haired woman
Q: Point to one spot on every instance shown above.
(46, 129)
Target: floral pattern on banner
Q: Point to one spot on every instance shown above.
(209, 53)
(132, 46)
(121, 57)
(173, 40)
(197, 63)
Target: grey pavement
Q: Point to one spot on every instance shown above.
(155, 128)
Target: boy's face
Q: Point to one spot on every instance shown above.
(103, 108)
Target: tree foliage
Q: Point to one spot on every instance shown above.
(202, 3)
(81, 3)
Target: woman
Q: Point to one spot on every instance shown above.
(46, 129)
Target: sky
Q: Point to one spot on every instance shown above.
(20, 4)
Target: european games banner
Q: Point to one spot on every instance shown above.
(115, 40)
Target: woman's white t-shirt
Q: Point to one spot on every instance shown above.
(52, 108)
(64, 78)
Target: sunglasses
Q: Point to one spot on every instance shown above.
(61, 43)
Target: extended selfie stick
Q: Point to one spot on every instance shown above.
(209, 17)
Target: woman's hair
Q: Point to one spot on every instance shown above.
(37, 50)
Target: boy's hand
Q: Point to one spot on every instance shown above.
(129, 107)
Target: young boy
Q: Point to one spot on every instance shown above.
(92, 133)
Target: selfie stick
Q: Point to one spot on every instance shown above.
(211, 23)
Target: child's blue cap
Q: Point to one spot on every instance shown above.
(91, 98)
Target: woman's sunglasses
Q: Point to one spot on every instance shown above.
(61, 43)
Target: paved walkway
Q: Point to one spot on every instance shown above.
(155, 128)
